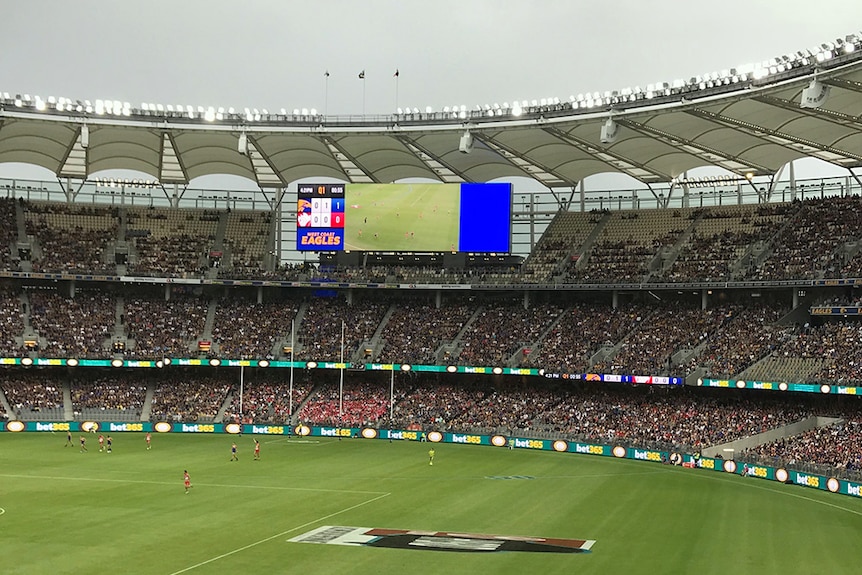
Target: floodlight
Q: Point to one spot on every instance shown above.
(85, 136)
(242, 144)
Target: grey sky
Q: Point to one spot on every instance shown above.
(273, 53)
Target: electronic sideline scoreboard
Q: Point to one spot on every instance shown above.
(416, 217)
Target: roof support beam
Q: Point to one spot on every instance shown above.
(711, 155)
(171, 167)
(851, 85)
(444, 171)
(625, 165)
(353, 170)
(264, 171)
(825, 152)
(544, 175)
(819, 113)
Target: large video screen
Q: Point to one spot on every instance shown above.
(465, 217)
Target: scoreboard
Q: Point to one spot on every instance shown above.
(416, 217)
(320, 217)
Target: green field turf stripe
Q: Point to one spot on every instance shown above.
(229, 486)
(751, 483)
(277, 535)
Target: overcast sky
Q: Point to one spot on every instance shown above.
(273, 53)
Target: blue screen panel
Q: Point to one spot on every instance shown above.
(485, 224)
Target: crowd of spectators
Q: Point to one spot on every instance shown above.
(11, 324)
(8, 233)
(72, 238)
(190, 396)
(244, 329)
(795, 240)
(266, 397)
(108, 393)
(670, 328)
(72, 326)
(501, 328)
(582, 330)
(416, 330)
(31, 392)
(331, 325)
(352, 403)
(811, 246)
(836, 446)
(749, 335)
(670, 416)
(162, 328)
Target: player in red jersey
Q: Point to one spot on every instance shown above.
(187, 481)
(149, 438)
(256, 449)
(101, 443)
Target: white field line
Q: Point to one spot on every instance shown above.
(283, 533)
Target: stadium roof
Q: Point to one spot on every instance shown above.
(750, 122)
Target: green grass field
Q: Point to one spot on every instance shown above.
(406, 217)
(68, 512)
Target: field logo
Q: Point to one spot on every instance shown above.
(303, 430)
(781, 475)
(439, 540)
(162, 427)
(236, 428)
(90, 426)
(435, 437)
(499, 441)
(369, 433)
(730, 466)
(833, 485)
(619, 451)
(560, 445)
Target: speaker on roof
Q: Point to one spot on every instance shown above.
(466, 145)
(815, 95)
(610, 131)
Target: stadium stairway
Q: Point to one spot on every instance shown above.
(376, 343)
(147, 408)
(583, 251)
(730, 449)
(4, 403)
(68, 409)
(534, 347)
(449, 351)
(219, 416)
(666, 256)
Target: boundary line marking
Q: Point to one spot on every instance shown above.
(779, 492)
(283, 533)
(2, 511)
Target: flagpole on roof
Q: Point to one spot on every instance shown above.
(397, 76)
(362, 77)
(325, 92)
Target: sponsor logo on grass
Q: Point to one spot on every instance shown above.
(440, 540)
